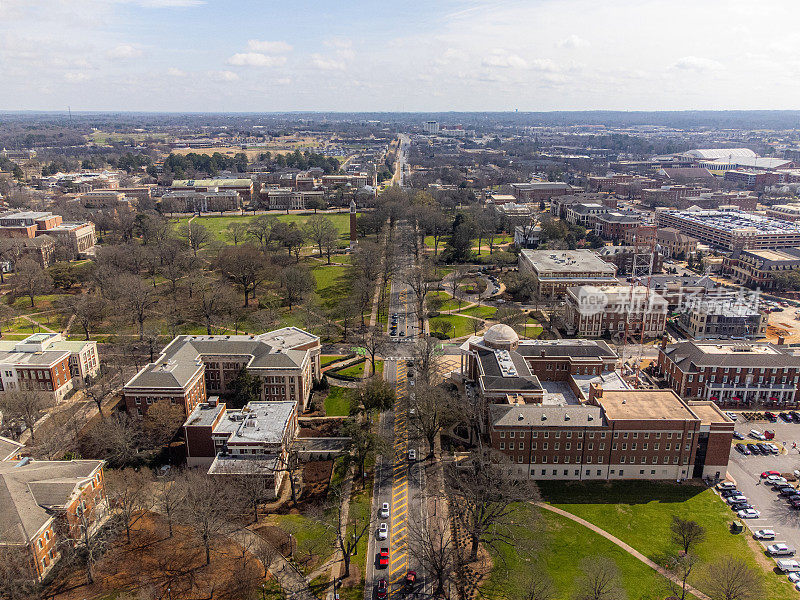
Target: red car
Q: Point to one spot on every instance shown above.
(383, 589)
(411, 578)
(383, 558)
(766, 474)
(770, 435)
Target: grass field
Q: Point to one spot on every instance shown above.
(463, 325)
(337, 404)
(357, 370)
(328, 359)
(481, 312)
(448, 302)
(557, 545)
(640, 513)
(218, 225)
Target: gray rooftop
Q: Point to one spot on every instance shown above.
(568, 261)
(258, 422)
(690, 355)
(534, 415)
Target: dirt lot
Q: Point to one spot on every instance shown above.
(327, 428)
(316, 477)
(784, 323)
(152, 562)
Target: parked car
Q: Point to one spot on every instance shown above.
(383, 531)
(780, 549)
(783, 488)
(410, 579)
(736, 498)
(729, 493)
(786, 493)
(412, 455)
(736, 507)
(779, 482)
(795, 416)
(773, 448)
(748, 513)
(743, 449)
(383, 558)
(771, 417)
(769, 434)
(756, 434)
(788, 565)
(795, 504)
(737, 435)
(764, 534)
(793, 498)
(382, 591)
(384, 514)
(785, 417)
(794, 578)
(767, 474)
(726, 486)
(732, 416)
(765, 450)
(754, 449)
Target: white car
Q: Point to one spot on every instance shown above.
(748, 513)
(797, 586)
(736, 499)
(731, 416)
(780, 550)
(756, 435)
(764, 534)
(384, 514)
(412, 455)
(794, 578)
(775, 480)
(383, 531)
(726, 485)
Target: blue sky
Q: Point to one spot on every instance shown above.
(232, 55)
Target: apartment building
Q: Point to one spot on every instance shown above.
(732, 229)
(47, 363)
(594, 311)
(47, 505)
(286, 361)
(671, 242)
(616, 434)
(583, 214)
(722, 318)
(21, 225)
(559, 204)
(252, 441)
(732, 373)
(553, 271)
(757, 268)
(613, 225)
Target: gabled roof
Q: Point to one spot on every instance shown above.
(689, 356)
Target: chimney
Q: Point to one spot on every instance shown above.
(664, 342)
(595, 392)
(781, 340)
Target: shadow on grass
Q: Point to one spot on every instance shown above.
(617, 492)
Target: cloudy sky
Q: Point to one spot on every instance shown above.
(413, 55)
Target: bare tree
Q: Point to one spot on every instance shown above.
(135, 298)
(686, 533)
(599, 580)
(373, 341)
(320, 229)
(128, 493)
(731, 578)
(426, 360)
(16, 582)
(681, 568)
(421, 281)
(196, 235)
(432, 406)
(433, 548)
(236, 233)
(30, 280)
(364, 442)
(116, 440)
(243, 265)
(168, 498)
(24, 405)
(290, 464)
(162, 420)
(98, 388)
(89, 310)
(537, 585)
(261, 229)
(206, 507)
(213, 299)
(297, 282)
(349, 529)
(265, 552)
(456, 278)
(253, 484)
(486, 499)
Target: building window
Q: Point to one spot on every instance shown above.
(511, 434)
(521, 446)
(502, 445)
(510, 445)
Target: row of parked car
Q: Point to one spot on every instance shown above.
(791, 416)
(764, 448)
(737, 501)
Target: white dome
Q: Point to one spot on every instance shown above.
(501, 336)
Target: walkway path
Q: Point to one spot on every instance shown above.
(615, 540)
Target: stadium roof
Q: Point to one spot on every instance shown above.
(716, 153)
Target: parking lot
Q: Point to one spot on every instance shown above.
(746, 471)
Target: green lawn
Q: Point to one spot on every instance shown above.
(448, 302)
(337, 404)
(640, 513)
(532, 329)
(329, 359)
(218, 225)
(357, 370)
(558, 545)
(310, 534)
(331, 283)
(463, 325)
(481, 312)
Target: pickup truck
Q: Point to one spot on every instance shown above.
(780, 550)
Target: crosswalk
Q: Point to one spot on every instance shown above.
(399, 546)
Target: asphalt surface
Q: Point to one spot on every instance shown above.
(746, 471)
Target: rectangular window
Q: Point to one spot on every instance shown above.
(502, 434)
(521, 446)
(510, 445)
(511, 434)
(502, 445)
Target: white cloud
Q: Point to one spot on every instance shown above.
(341, 43)
(573, 41)
(268, 47)
(504, 59)
(76, 77)
(327, 63)
(282, 81)
(545, 64)
(173, 72)
(223, 75)
(124, 52)
(697, 64)
(256, 59)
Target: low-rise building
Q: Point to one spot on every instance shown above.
(758, 269)
(732, 373)
(289, 199)
(539, 190)
(787, 212)
(244, 187)
(726, 318)
(624, 257)
(78, 238)
(583, 214)
(286, 362)
(212, 200)
(47, 363)
(527, 236)
(553, 271)
(252, 442)
(670, 241)
(593, 311)
(47, 506)
(678, 290)
(26, 225)
(614, 225)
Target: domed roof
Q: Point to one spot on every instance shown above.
(500, 334)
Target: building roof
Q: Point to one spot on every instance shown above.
(181, 360)
(28, 488)
(709, 413)
(501, 334)
(592, 298)
(574, 349)
(212, 183)
(771, 258)
(540, 185)
(568, 261)
(691, 355)
(256, 423)
(505, 371)
(644, 404)
(737, 221)
(716, 153)
(9, 448)
(535, 415)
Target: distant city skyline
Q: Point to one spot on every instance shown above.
(461, 55)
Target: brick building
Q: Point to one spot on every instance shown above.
(593, 311)
(46, 504)
(757, 268)
(539, 190)
(732, 373)
(553, 271)
(614, 226)
(286, 361)
(78, 237)
(623, 258)
(48, 363)
(722, 318)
